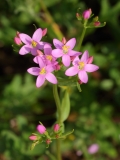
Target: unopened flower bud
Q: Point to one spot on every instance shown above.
(39, 53)
(86, 14)
(48, 141)
(56, 127)
(57, 67)
(63, 40)
(79, 81)
(90, 60)
(96, 23)
(17, 39)
(33, 137)
(44, 32)
(41, 129)
(78, 16)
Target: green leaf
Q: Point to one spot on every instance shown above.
(65, 106)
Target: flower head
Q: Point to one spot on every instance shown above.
(31, 44)
(43, 72)
(64, 50)
(80, 67)
(41, 129)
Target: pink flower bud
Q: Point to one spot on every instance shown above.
(90, 60)
(57, 67)
(77, 15)
(44, 32)
(33, 137)
(48, 141)
(63, 40)
(97, 23)
(39, 53)
(56, 127)
(79, 81)
(93, 148)
(17, 41)
(87, 13)
(41, 129)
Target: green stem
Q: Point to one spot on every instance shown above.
(57, 101)
(82, 36)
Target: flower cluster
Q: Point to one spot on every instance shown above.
(47, 137)
(50, 61)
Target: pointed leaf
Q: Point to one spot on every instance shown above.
(65, 106)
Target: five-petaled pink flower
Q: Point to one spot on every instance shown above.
(31, 44)
(80, 67)
(43, 73)
(64, 50)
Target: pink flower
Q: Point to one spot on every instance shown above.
(31, 44)
(64, 50)
(41, 129)
(33, 137)
(47, 57)
(86, 14)
(93, 148)
(43, 73)
(80, 67)
(56, 127)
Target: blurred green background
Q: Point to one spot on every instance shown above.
(95, 113)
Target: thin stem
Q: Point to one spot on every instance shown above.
(57, 101)
(82, 36)
(58, 144)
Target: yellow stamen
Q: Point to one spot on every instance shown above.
(81, 65)
(65, 49)
(43, 71)
(49, 57)
(34, 44)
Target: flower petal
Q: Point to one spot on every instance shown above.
(71, 71)
(57, 53)
(24, 49)
(66, 60)
(83, 76)
(91, 67)
(75, 61)
(34, 71)
(40, 81)
(40, 61)
(51, 78)
(50, 68)
(37, 35)
(58, 44)
(34, 51)
(85, 56)
(47, 49)
(71, 43)
(25, 38)
(74, 53)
